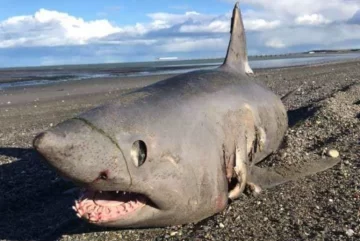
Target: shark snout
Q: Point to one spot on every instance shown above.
(37, 142)
(83, 154)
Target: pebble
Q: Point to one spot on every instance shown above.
(221, 225)
(173, 233)
(332, 153)
(350, 232)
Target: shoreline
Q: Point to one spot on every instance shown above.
(94, 86)
(48, 75)
(215, 59)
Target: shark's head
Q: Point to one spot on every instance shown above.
(137, 179)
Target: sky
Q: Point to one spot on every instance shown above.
(39, 32)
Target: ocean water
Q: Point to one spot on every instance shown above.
(33, 76)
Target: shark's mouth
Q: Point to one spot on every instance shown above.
(108, 206)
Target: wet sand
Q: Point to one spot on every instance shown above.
(68, 90)
(35, 204)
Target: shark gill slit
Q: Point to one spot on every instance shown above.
(102, 132)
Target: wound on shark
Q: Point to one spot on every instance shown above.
(176, 151)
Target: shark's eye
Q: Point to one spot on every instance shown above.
(138, 153)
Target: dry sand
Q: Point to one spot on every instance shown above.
(35, 204)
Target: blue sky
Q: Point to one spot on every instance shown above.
(121, 12)
(42, 32)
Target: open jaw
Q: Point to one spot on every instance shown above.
(107, 206)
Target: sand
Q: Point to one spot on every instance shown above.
(324, 114)
(74, 89)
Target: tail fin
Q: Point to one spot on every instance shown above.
(267, 178)
(236, 57)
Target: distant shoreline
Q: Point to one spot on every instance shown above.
(50, 75)
(251, 57)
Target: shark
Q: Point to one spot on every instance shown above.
(176, 151)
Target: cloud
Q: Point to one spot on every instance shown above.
(330, 36)
(261, 24)
(168, 19)
(214, 26)
(294, 25)
(52, 28)
(192, 45)
(355, 19)
(223, 26)
(275, 43)
(334, 10)
(313, 19)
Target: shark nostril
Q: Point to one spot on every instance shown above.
(103, 176)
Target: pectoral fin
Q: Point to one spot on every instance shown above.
(270, 177)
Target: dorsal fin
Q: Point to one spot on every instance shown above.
(236, 56)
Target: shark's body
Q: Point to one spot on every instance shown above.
(178, 148)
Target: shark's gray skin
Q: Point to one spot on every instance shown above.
(176, 150)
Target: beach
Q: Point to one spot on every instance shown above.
(324, 113)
